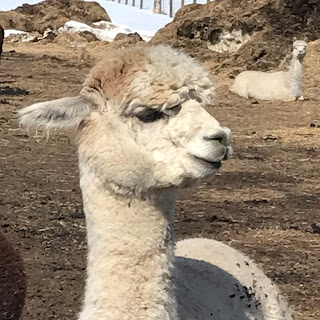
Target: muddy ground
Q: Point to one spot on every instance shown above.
(265, 201)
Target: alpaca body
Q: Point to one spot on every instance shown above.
(281, 85)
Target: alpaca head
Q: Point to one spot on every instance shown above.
(299, 48)
(142, 120)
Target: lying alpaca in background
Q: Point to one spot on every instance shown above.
(144, 134)
(281, 85)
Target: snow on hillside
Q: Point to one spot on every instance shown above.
(103, 30)
(135, 18)
(9, 32)
(125, 18)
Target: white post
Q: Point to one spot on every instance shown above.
(157, 6)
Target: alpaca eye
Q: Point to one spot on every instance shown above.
(150, 115)
(176, 109)
(193, 95)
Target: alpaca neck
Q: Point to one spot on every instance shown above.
(130, 254)
(295, 74)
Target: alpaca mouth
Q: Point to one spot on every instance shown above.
(214, 164)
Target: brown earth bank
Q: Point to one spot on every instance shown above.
(264, 202)
(51, 14)
(267, 28)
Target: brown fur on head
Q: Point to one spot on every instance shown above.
(112, 76)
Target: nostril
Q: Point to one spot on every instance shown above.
(220, 136)
(217, 139)
(229, 153)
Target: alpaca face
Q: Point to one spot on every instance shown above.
(143, 120)
(180, 123)
(153, 149)
(184, 143)
(163, 112)
(299, 49)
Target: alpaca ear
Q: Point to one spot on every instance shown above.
(294, 40)
(61, 113)
(306, 39)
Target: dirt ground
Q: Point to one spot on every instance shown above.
(265, 201)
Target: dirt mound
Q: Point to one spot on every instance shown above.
(52, 14)
(311, 82)
(233, 35)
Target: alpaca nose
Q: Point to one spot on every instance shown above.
(228, 153)
(222, 136)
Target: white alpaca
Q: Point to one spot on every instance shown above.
(281, 85)
(143, 135)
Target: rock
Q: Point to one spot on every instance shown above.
(315, 228)
(315, 124)
(270, 137)
(75, 38)
(49, 35)
(129, 38)
(89, 36)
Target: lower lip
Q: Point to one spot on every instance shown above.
(214, 164)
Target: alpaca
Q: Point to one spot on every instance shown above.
(219, 278)
(281, 85)
(12, 281)
(143, 135)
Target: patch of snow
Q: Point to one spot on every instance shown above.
(104, 31)
(9, 32)
(148, 5)
(19, 36)
(136, 19)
